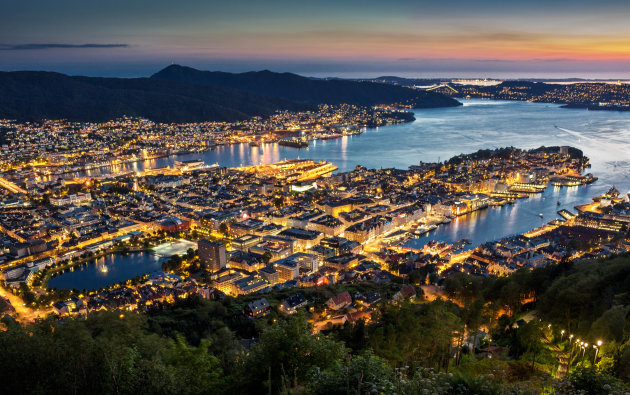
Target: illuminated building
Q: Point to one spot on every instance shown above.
(212, 254)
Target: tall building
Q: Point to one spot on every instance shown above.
(212, 254)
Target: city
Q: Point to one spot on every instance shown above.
(315, 198)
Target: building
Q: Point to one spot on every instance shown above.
(287, 269)
(28, 248)
(293, 303)
(76, 199)
(212, 254)
(326, 224)
(212, 221)
(246, 261)
(278, 247)
(173, 224)
(303, 239)
(226, 282)
(342, 262)
(270, 274)
(244, 242)
(339, 301)
(249, 284)
(258, 308)
(408, 292)
(470, 203)
(306, 262)
(369, 229)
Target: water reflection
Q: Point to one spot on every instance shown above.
(438, 134)
(106, 271)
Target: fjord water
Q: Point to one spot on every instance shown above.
(438, 134)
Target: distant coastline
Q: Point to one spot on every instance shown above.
(594, 107)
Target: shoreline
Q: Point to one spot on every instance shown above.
(405, 120)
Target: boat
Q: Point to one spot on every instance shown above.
(293, 142)
(352, 132)
(254, 144)
(540, 215)
(558, 203)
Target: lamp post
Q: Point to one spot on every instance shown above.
(584, 347)
(561, 335)
(596, 347)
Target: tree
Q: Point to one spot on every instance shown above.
(362, 374)
(190, 253)
(410, 332)
(286, 354)
(530, 336)
(174, 263)
(224, 229)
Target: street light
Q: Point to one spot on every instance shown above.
(584, 347)
(561, 334)
(596, 347)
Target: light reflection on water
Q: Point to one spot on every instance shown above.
(119, 268)
(116, 268)
(438, 134)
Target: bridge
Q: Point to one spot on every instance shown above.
(443, 86)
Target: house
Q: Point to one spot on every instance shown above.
(293, 303)
(258, 308)
(356, 316)
(369, 299)
(71, 306)
(339, 301)
(408, 292)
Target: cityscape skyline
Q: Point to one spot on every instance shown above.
(354, 39)
(315, 198)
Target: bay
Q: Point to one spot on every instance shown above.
(438, 134)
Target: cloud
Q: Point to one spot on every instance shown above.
(24, 47)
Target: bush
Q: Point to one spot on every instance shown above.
(590, 381)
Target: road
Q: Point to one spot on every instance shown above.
(24, 314)
(11, 186)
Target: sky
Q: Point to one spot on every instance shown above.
(344, 38)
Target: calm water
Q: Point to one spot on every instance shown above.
(438, 134)
(117, 268)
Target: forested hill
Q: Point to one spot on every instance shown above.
(196, 346)
(307, 90)
(32, 95)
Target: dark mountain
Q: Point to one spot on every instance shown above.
(306, 90)
(36, 95)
